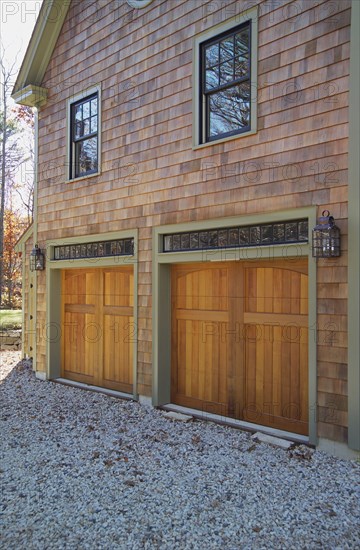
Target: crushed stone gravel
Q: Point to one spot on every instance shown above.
(84, 470)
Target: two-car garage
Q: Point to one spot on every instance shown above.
(230, 337)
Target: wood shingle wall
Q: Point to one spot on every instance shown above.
(152, 176)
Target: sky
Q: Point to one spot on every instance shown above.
(17, 21)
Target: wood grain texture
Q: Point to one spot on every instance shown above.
(97, 344)
(240, 341)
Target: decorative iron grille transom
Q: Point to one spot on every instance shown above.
(240, 236)
(120, 247)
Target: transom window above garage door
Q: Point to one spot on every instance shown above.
(241, 236)
(119, 247)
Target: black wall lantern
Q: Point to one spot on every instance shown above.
(37, 259)
(326, 237)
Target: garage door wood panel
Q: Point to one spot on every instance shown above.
(199, 353)
(276, 348)
(118, 325)
(98, 327)
(80, 353)
(240, 341)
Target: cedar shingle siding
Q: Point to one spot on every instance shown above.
(151, 176)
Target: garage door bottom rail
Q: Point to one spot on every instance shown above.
(238, 424)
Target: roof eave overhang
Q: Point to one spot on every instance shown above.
(31, 96)
(41, 46)
(24, 237)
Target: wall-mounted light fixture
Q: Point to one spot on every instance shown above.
(37, 259)
(326, 237)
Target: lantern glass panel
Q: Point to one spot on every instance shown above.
(326, 242)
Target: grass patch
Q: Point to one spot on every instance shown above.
(10, 319)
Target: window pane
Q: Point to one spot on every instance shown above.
(267, 234)
(212, 78)
(255, 235)
(244, 235)
(82, 129)
(223, 237)
(86, 124)
(291, 232)
(242, 43)
(212, 55)
(303, 231)
(78, 112)
(226, 72)
(242, 54)
(279, 232)
(229, 110)
(86, 109)
(93, 124)
(233, 236)
(241, 67)
(94, 107)
(86, 156)
(194, 240)
(79, 129)
(227, 49)
(185, 241)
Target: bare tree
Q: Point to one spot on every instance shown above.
(11, 155)
(25, 188)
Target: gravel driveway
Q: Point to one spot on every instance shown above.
(83, 470)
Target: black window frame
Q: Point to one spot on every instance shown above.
(74, 161)
(204, 118)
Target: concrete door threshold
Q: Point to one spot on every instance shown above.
(239, 424)
(97, 389)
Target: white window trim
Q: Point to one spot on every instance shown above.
(248, 15)
(73, 99)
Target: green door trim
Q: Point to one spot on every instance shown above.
(53, 292)
(162, 262)
(354, 231)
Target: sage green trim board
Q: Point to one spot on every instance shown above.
(162, 292)
(53, 292)
(24, 237)
(354, 231)
(31, 96)
(20, 248)
(35, 228)
(53, 323)
(23, 312)
(42, 43)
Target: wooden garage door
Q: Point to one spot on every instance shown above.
(98, 328)
(239, 341)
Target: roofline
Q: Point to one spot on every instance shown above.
(24, 237)
(41, 46)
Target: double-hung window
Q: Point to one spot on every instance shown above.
(84, 139)
(225, 60)
(226, 84)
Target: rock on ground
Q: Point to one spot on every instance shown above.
(84, 470)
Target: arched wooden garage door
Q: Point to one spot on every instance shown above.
(98, 328)
(240, 341)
